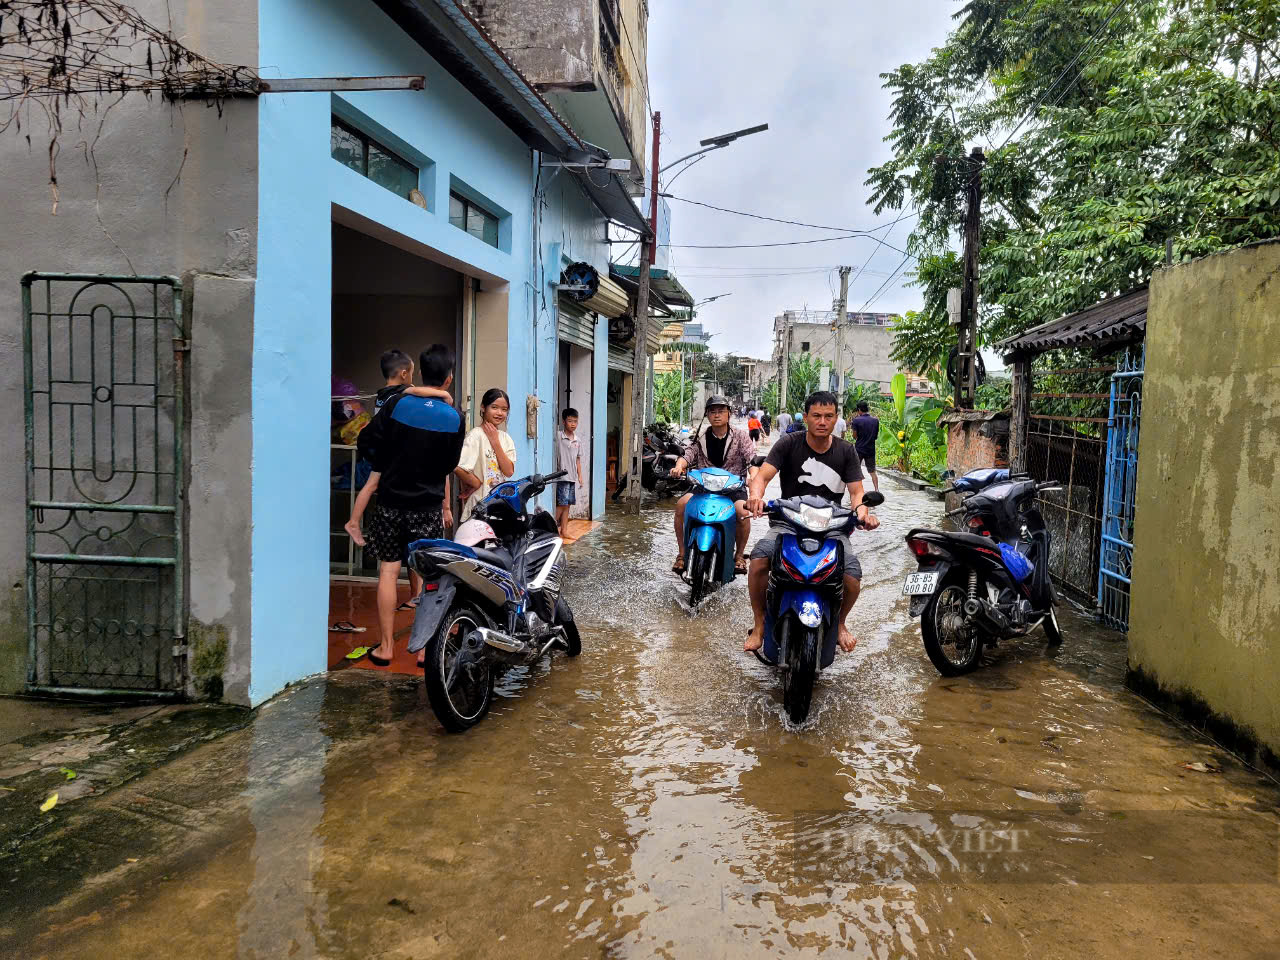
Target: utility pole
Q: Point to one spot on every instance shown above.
(785, 364)
(840, 307)
(639, 361)
(968, 332)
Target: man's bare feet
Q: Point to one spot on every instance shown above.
(847, 639)
(755, 639)
(353, 531)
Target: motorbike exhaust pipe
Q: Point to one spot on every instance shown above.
(501, 642)
(988, 616)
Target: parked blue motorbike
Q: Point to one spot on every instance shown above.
(491, 599)
(710, 531)
(806, 589)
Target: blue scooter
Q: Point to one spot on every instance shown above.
(710, 531)
(806, 588)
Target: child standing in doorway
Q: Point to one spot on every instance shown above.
(568, 457)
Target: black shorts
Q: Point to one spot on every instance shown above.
(392, 529)
(755, 434)
(869, 458)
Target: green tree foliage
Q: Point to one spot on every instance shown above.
(666, 396)
(769, 399)
(1145, 122)
(724, 371)
(804, 376)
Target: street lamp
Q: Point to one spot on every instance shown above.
(712, 143)
(717, 143)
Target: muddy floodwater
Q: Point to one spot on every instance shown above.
(648, 800)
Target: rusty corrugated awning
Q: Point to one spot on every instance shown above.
(1112, 323)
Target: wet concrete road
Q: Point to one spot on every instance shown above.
(647, 799)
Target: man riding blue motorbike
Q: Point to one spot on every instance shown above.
(730, 449)
(812, 463)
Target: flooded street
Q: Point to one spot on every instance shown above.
(648, 799)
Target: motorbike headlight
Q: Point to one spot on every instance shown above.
(713, 482)
(811, 518)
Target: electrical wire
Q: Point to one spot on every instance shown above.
(793, 223)
(787, 243)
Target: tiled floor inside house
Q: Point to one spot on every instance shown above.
(354, 603)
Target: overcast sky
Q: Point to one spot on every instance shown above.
(811, 70)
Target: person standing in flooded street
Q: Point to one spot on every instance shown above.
(810, 462)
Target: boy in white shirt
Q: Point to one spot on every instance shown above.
(568, 457)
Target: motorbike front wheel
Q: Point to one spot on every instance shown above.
(952, 645)
(457, 670)
(572, 638)
(1051, 629)
(700, 566)
(800, 668)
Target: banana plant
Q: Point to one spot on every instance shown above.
(855, 393)
(908, 420)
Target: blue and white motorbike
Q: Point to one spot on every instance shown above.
(806, 589)
(491, 597)
(710, 531)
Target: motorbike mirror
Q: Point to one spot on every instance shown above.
(872, 499)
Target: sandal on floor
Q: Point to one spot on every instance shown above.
(740, 566)
(678, 566)
(377, 660)
(346, 626)
(408, 605)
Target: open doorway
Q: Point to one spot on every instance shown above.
(383, 297)
(575, 391)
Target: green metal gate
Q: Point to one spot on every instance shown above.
(104, 364)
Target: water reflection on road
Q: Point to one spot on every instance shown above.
(649, 799)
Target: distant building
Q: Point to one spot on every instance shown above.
(866, 340)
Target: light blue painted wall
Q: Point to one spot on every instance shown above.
(572, 227)
(299, 183)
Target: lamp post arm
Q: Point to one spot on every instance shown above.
(714, 146)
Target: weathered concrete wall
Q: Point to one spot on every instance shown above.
(1205, 606)
(561, 46)
(220, 510)
(147, 210)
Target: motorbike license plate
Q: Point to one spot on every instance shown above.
(920, 584)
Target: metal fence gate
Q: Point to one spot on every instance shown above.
(1066, 442)
(1120, 492)
(104, 367)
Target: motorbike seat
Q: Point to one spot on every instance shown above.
(968, 539)
(499, 556)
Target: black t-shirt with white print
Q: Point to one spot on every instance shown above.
(805, 472)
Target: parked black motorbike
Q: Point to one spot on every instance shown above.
(989, 581)
(491, 598)
(662, 448)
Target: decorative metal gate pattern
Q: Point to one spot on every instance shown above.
(1121, 489)
(104, 365)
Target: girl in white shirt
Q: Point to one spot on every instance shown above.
(488, 452)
